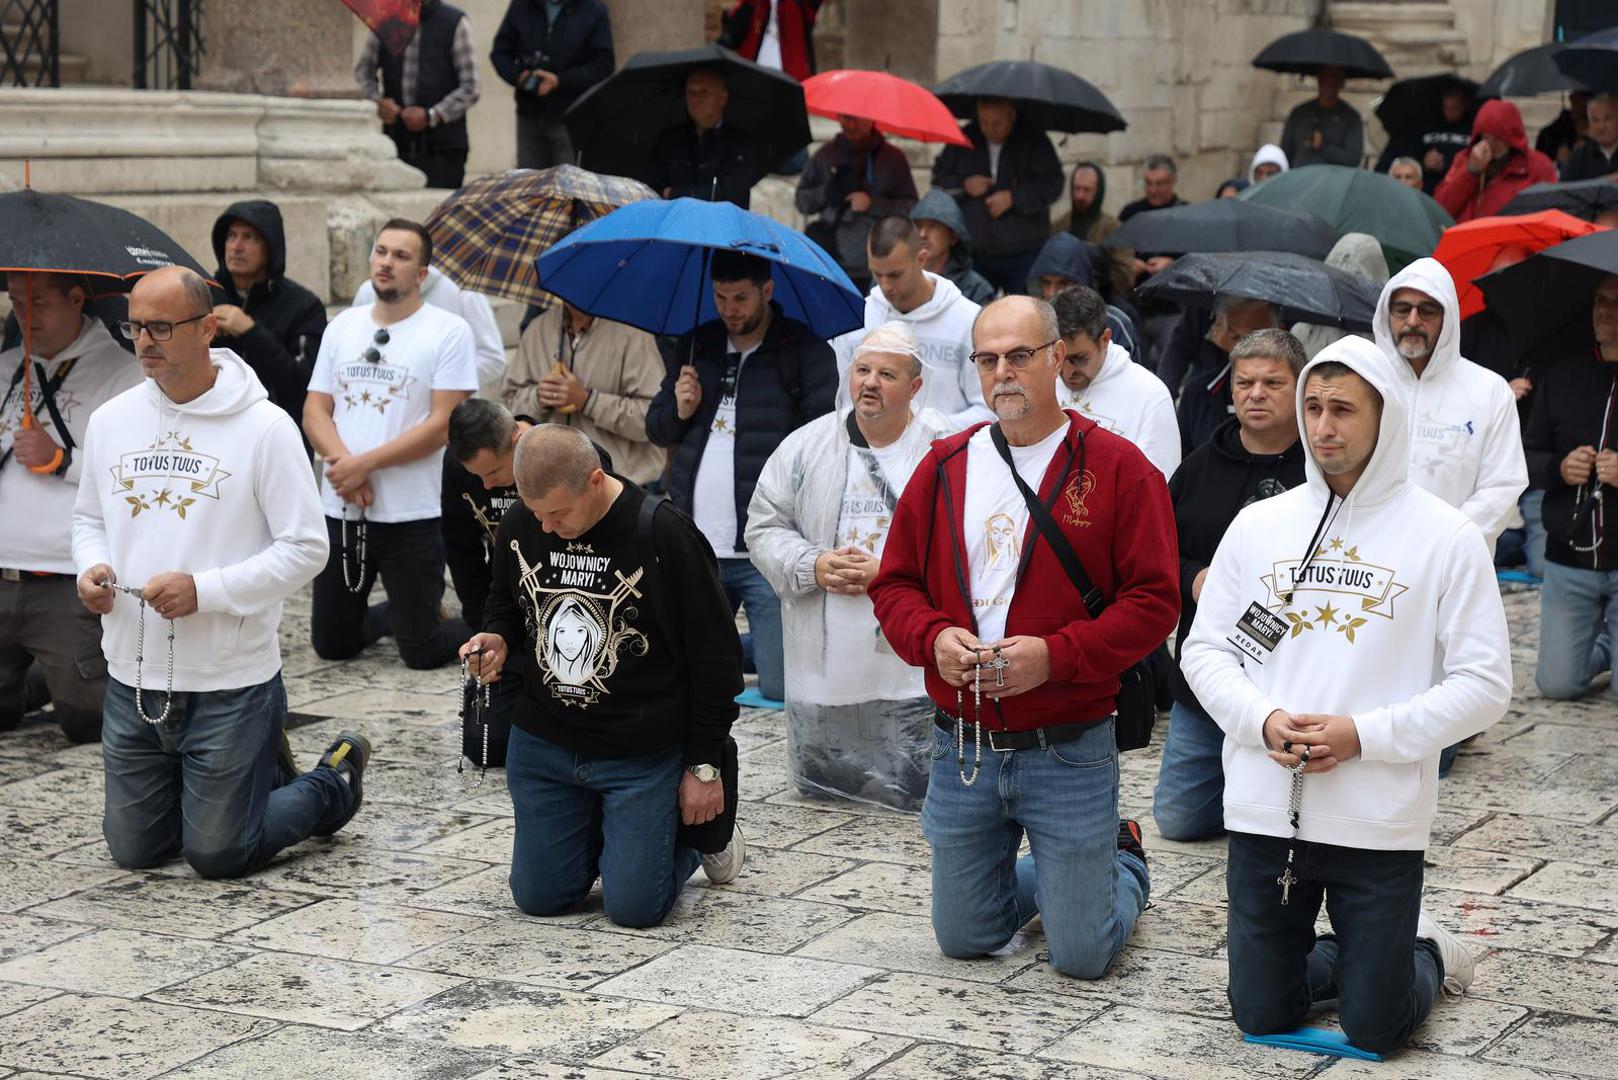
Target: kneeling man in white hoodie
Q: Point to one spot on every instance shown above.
(196, 517)
(1348, 631)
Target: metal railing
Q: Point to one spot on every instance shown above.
(167, 40)
(32, 50)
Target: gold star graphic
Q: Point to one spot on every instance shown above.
(1337, 544)
(365, 396)
(720, 425)
(1326, 615)
(162, 497)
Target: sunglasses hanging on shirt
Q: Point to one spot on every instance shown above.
(374, 353)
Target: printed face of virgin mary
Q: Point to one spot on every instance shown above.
(571, 641)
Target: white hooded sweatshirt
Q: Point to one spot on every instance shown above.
(219, 488)
(1128, 400)
(1396, 622)
(1465, 437)
(943, 328)
(1268, 154)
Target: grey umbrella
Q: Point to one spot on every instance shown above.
(1305, 289)
(1226, 225)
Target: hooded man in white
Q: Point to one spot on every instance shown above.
(938, 315)
(1100, 381)
(1465, 435)
(1271, 158)
(1355, 620)
(196, 494)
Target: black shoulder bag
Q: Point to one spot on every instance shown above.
(1136, 703)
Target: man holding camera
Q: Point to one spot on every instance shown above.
(551, 52)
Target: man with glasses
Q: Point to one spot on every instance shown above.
(384, 384)
(1572, 445)
(196, 517)
(972, 590)
(734, 388)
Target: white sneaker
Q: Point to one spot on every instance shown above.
(723, 867)
(1458, 966)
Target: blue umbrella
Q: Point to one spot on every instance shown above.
(646, 264)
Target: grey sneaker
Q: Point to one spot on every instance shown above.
(723, 867)
(1458, 966)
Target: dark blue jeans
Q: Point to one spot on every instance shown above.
(580, 818)
(745, 586)
(409, 557)
(200, 782)
(1189, 801)
(1383, 978)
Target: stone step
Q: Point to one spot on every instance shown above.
(1370, 19)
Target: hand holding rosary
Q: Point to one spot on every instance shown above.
(475, 693)
(140, 655)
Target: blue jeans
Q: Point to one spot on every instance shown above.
(580, 818)
(1384, 979)
(762, 643)
(1578, 622)
(200, 782)
(1189, 802)
(1065, 797)
(1525, 547)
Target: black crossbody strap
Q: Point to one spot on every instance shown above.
(48, 394)
(873, 468)
(1093, 601)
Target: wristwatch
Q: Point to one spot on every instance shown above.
(706, 773)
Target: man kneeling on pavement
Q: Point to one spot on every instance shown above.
(611, 606)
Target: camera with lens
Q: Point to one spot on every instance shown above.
(533, 63)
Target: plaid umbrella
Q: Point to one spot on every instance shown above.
(489, 235)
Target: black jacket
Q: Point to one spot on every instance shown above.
(789, 381)
(577, 49)
(1205, 400)
(688, 164)
(436, 79)
(1029, 170)
(1209, 488)
(1569, 402)
(288, 319)
(1589, 163)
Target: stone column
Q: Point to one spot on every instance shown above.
(655, 26)
(897, 37)
(284, 48)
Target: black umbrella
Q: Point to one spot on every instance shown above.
(62, 234)
(1225, 225)
(616, 123)
(1587, 199)
(1308, 51)
(1550, 293)
(1591, 60)
(1532, 71)
(1416, 106)
(1306, 290)
(1050, 98)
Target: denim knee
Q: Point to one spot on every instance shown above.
(1175, 822)
(217, 863)
(1265, 1014)
(634, 912)
(329, 645)
(1557, 686)
(545, 899)
(1085, 961)
(79, 725)
(138, 852)
(968, 942)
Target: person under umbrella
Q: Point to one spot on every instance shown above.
(703, 158)
(1560, 139)
(1326, 129)
(1406, 170)
(1598, 157)
(849, 184)
(1086, 219)
(1407, 223)
(1270, 160)
(1497, 166)
(1354, 253)
(1428, 119)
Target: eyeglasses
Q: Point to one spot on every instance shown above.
(1401, 309)
(374, 354)
(988, 362)
(156, 330)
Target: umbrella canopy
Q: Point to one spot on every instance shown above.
(616, 123)
(1550, 293)
(1308, 51)
(1587, 199)
(898, 106)
(647, 265)
(60, 233)
(1591, 61)
(1468, 250)
(1406, 222)
(1225, 225)
(1050, 98)
(393, 21)
(1306, 290)
(1530, 72)
(1416, 106)
(488, 234)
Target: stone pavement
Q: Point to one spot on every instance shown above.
(392, 952)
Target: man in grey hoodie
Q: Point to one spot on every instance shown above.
(949, 246)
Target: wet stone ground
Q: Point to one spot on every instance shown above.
(392, 951)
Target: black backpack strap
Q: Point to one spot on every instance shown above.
(1047, 527)
(652, 574)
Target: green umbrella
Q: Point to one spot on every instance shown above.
(1406, 222)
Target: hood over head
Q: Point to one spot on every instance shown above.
(1388, 469)
(1430, 277)
(1065, 255)
(1080, 224)
(262, 215)
(940, 206)
(1359, 253)
(1502, 120)
(1268, 154)
(1123, 329)
(235, 388)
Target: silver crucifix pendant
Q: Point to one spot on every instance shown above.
(999, 663)
(1286, 881)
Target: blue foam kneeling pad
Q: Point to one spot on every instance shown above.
(1315, 1041)
(1518, 577)
(752, 699)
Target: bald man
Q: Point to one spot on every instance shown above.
(196, 517)
(706, 157)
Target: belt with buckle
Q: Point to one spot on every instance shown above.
(8, 573)
(1027, 739)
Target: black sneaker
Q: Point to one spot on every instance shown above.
(1129, 839)
(348, 755)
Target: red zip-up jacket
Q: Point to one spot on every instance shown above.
(1117, 516)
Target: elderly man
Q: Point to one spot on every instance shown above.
(611, 604)
(973, 590)
(1599, 155)
(943, 232)
(850, 183)
(1005, 183)
(1204, 389)
(205, 531)
(1347, 631)
(938, 315)
(1254, 455)
(704, 158)
(859, 722)
(1157, 182)
(1406, 170)
(76, 367)
(1325, 130)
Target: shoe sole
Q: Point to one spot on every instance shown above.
(736, 867)
(357, 760)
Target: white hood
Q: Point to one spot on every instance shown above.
(1128, 400)
(1388, 470)
(1430, 277)
(1268, 154)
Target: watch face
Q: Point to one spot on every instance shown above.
(705, 773)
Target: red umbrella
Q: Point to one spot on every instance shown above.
(394, 21)
(1468, 250)
(898, 106)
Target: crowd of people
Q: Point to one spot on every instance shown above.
(978, 541)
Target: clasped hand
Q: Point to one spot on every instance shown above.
(959, 657)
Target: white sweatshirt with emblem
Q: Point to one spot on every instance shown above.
(219, 488)
(1128, 400)
(1397, 622)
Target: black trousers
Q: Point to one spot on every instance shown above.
(409, 557)
(444, 168)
